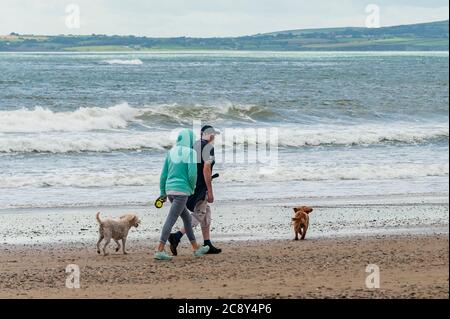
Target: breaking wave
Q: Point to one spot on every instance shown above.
(124, 62)
(78, 142)
(120, 116)
(126, 128)
(83, 119)
(111, 179)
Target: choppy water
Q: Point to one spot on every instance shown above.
(92, 129)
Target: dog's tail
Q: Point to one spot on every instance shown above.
(97, 216)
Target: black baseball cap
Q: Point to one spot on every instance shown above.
(208, 129)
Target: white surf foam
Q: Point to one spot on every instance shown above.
(93, 142)
(364, 134)
(341, 135)
(124, 62)
(66, 142)
(282, 174)
(83, 119)
(356, 172)
(80, 180)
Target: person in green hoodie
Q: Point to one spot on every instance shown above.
(177, 182)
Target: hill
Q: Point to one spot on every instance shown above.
(433, 36)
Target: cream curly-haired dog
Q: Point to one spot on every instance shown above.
(116, 230)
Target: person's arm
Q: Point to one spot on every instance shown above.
(163, 178)
(192, 169)
(207, 173)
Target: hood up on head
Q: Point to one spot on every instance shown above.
(186, 138)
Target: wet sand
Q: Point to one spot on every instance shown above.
(411, 266)
(241, 220)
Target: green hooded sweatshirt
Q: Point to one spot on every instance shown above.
(180, 167)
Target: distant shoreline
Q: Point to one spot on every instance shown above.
(431, 36)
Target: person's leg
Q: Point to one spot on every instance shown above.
(187, 222)
(198, 250)
(202, 216)
(194, 223)
(206, 231)
(178, 206)
(206, 225)
(196, 217)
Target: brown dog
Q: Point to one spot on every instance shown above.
(301, 221)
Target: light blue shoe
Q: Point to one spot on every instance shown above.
(201, 251)
(162, 255)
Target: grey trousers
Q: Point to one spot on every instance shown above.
(178, 209)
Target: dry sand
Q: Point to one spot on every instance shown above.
(411, 267)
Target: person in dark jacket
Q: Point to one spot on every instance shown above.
(199, 202)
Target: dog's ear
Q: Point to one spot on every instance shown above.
(308, 209)
(296, 209)
(128, 218)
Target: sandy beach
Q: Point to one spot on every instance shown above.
(411, 266)
(406, 237)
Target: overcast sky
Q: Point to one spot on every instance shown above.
(205, 18)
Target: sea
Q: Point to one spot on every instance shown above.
(92, 129)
